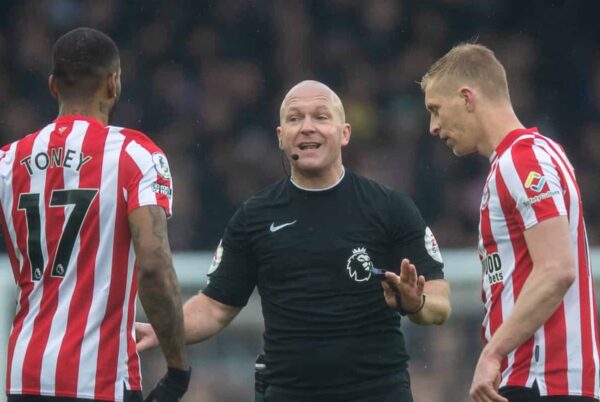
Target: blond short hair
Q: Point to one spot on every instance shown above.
(473, 64)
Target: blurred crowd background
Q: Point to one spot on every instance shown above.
(205, 79)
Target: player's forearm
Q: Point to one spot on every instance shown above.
(542, 293)
(436, 309)
(160, 297)
(205, 317)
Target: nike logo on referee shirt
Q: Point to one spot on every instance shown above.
(274, 228)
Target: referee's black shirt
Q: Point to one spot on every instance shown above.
(311, 255)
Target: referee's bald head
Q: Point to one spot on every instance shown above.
(336, 102)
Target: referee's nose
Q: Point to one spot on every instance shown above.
(308, 125)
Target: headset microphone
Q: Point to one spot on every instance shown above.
(295, 157)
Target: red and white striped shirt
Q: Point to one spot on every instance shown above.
(532, 180)
(65, 195)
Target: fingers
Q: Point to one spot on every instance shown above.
(408, 272)
(421, 283)
(404, 267)
(392, 279)
(145, 337)
(143, 344)
(486, 380)
(486, 394)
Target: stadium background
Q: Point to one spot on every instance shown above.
(205, 79)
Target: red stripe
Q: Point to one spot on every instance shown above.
(67, 370)
(32, 365)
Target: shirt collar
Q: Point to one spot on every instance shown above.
(320, 189)
(510, 138)
(69, 118)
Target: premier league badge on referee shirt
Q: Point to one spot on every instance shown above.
(359, 265)
(431, 245)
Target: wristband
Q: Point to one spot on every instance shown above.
(404, 312)
(178, 379)
(171, 387)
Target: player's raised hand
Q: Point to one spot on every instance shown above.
(145, 338)
(404, 292)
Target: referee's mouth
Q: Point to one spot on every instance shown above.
(309, 145)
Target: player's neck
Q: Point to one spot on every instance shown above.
(97, 110)
(318, 181)
(496, 126)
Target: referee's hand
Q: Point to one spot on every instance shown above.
(404, 292)
(145, 337)
(171, 387)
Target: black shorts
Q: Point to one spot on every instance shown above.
(38, 398)
(394, 391)
(129, 396)
(524, 394)
(393, 394)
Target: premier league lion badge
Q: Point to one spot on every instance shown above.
(359, 265)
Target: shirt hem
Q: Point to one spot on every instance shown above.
(70, 394)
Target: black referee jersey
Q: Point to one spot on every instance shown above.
(313, 255)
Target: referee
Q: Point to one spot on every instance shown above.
(319, 246)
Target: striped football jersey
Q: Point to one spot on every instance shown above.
(532, 180)
(65, 195)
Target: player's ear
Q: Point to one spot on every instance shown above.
(469, 97)
(346, 133)
(52, 86)
(112, 85)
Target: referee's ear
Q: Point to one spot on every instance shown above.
(52, 86)
(279, 132)
(346, 133)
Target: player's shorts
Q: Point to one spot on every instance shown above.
(129, 396)
(524, 394)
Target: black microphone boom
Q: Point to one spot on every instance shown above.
(295, 157)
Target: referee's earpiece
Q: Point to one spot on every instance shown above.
(280, 144)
